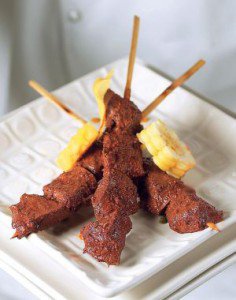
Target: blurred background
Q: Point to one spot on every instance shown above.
(57, 41)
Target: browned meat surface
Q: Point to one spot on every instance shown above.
(72, 188)
(185, 211)
(122, 152)
(116, 196)
(122, 114)
(105, 241)
(158, 188)
(34, 213)
(189, 213)
(114, 200)
(93, 160)
(62, 198)
(115, 193)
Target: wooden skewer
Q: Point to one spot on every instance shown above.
(80, 236)
(132, 56)
(15, 235)
(176, 83)
(49, 96)
(213, 226)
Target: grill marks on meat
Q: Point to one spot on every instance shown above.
(122, 114)
(61, 198)
(116, 196)
(185, 211)
(122, 152)
(34, 213)
(72, 188)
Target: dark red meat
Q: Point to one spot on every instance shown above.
(185, 211)
(116, 197)
(189, 213)
(93, 160)
(115, 193)
(105, 241)
(157, 189)
(122, 114)
(62, 198)
(34, 213)
(72, 188)
(122, 152)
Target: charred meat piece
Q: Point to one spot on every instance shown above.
(188, 213)
(115, 193)
(122, 114)
(72, 188)
(34, 213)
(122, 152)
(105, 241)
(92, 160)
(157, 189)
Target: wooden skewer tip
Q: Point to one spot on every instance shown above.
(213, 226)
(79, 235)
(49, 96)
(176, 83)
(15, 235)
(132, 55)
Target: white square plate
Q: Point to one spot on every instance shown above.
(32, 137)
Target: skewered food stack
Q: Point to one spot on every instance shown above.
(117, 159)
(116, 197)
(106, 168)
(184, 210)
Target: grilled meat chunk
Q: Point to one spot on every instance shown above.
(157, 189)
(188, 213)
(185, 211)
(72, 188)
(34, 213)
(105, 241)
(115, 192)
(92, 160)
(62, 198)
(122, 152)
(122, 114)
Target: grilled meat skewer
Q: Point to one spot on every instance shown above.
(62, 197)
(184, 210)
(116, 196)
